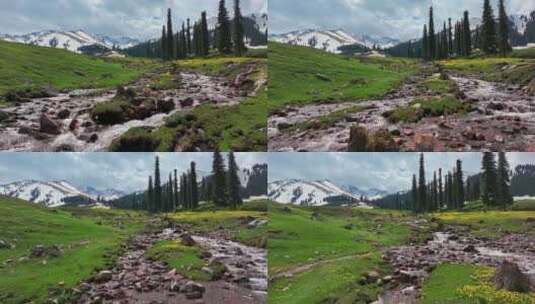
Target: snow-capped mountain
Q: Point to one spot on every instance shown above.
(55, 193)
(368, 193)
(70, 40)
(310, 193)
(105, 195)
(332, 40)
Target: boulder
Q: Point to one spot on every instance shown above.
(166, 105)
(187, 240)
(48, 126)
(38, 251)
(63, 114)
(188, 102)
(103, 276)
(4, 116)
(193, 290)
(4, 245)
(509, 277)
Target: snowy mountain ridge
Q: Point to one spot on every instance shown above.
(311, 193)
(332, 40)
(70, 40)
(55, 193)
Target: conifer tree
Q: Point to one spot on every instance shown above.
(204, 42)
(233, 181)
(414, 194)
(435, 191)
(488, 30)
(489, 179)
(188, 37)
(150, 198)
(239, 44)
(450, 38)
(171, 199)
(224, 43)
(460, 184)
(171, 51)
(440, 190)
(157, 187)
(445, 43)
(177, 199)
(450, 191)
(219, 180)
(164, 44)
(503, 193)
(194, 187)
(422, 187)
(425, 44)
(431, 35)
(467, 35)
(503, 30)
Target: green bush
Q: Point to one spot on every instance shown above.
(110, 113)
(135, 140)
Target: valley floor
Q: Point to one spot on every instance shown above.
(79, 255)
(455, 105)
(334, 255)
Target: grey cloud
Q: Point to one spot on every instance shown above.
(134, 18)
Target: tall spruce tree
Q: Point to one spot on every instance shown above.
(422, 187)
(239, 44)
(414, 194)
(219, 180)
(440, 190)
(467, 35)
(233, 181)
(425, 44)
(171, 50)
(503, 192)
(204, 42)
(177, 199)
(450, 38)
(194, 186)
(435, 191)
(489, 179)
(488, 30)
(503, 30)
(460, 184)
(164, 44)
(188, 37)
(431, 35)
(157, 186)
(224, 43)
(150, 196)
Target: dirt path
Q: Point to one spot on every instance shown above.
(70, 127)
(137, 279)
(503, 118)
(413, 264)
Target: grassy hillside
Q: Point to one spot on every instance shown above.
(87, 239)
(25, 66)
(303, 75)
(337, 244)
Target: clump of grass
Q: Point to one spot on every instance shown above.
(111, 112)
(433, 107)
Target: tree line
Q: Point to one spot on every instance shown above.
(194, 39)
(458, 40)
(185, 192)
(450, 191)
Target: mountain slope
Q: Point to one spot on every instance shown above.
(55, 193)
(70, 40)
(310, 193)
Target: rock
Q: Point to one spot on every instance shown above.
(188, 102)
(48, 126)
(166, 105)
(103, 276)
(470, 249)
(372, 276)
(93, 138)
(323, 77)
(257, 223)
(63, 114)
(496, 106)
(193, 290)
(73, 125)
(174, 286)
(187, 240)
(38, 251)
(358, 139)
(4, 245)
(4, 116)
(509, 277)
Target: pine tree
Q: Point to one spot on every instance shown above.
(150, 198)
(450, 191)
(431, 35)
(224, 43)
(503, 193)
(171, 51)
(188, 37)
(435, 191)
(194, 187)
(503, 30)
(177, 199)
(488, 30)
(458, 39)
(445, 44)
(157, 187)
(414, 194)
(425, 44)
(467, 35)
(460, 184)
(233, 181)
(164, 44)
(489, 179)
(218, 170)
(239, 44)
(422, 187)
(450, 38)
(204, 42)
(440, 190)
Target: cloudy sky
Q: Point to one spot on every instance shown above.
(391, 18)
(132, 18)
(385, 171)
(122, 171)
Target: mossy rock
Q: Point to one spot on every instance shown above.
(136, 140)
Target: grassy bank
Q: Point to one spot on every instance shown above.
(87, 241)
(299, 75)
